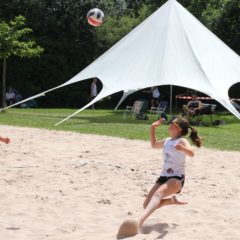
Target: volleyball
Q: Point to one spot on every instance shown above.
(128, 228)
(95, 17)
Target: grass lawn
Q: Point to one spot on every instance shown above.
(112, 123)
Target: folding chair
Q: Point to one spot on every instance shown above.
(162, 107)
(207, 109)
(133, 110)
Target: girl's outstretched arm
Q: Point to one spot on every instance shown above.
(185, 148)
(5, 140)
(153, 140)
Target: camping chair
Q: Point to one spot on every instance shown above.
(160, 109)
(144, 106)
(133, 110)
(207, 109)
(138, 108)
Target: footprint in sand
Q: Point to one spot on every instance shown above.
(104, 201)
(13, 228)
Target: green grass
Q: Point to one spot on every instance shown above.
(112, 123)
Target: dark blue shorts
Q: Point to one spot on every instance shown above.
(163, 179)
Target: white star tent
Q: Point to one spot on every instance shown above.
(124, 96)
(171, 47)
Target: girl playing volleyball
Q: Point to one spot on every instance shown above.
(175, 150)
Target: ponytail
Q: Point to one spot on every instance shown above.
(195, 138)
(185, 127)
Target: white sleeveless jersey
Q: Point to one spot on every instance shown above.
(174, 161)
(156, 93)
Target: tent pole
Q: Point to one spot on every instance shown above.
(171, 100)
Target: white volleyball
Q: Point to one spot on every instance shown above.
(95, 17)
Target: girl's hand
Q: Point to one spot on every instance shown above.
(158, 123)
(184, 147)
(180, 147)
(7, 140)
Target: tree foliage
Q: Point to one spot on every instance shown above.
(70, 44)
(12, 43)
(11, 40)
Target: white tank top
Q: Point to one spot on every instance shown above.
(93, 90)
(174, 161)
(156, 93)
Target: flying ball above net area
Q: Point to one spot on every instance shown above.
(95, 17)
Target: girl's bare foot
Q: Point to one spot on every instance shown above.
(175, 201)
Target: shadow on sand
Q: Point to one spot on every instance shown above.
(161, 228)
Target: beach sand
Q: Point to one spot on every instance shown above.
(63, 185)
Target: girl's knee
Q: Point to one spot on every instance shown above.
(160, 193)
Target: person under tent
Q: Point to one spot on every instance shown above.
(10, 97)
(192, 107)
(155, 96)
(93, 90)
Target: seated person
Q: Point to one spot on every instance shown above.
(10, 97)
(18, 96)
(192, 107)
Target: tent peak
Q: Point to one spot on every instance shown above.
(172, 3)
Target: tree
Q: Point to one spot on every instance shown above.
(13, 43)
(71, 44)
(116, 27)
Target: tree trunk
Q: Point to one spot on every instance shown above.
(4, 83)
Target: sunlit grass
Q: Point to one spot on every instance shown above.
(112, 123)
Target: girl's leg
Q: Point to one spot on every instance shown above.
(166, 201)
(150, 194)
(170, 201)
(152, 102)
(185, 109)
(171, 187)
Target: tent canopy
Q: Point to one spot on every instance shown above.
(171, 47)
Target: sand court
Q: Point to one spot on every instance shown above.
(63, 185)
